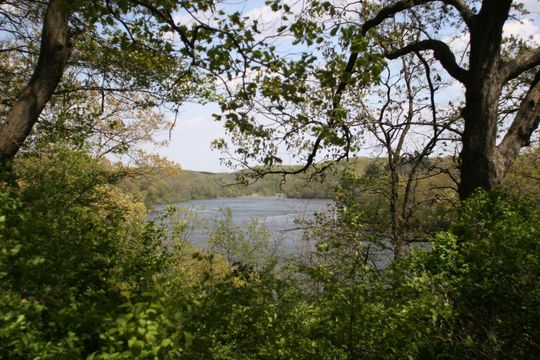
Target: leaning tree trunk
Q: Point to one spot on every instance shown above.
(53, 55)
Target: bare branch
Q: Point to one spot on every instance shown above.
(20, 49)
(102, 89)
(389, 11)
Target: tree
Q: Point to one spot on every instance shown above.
(483, 162)
(302, 101)
(55, 48)
(121, 49)
(407, 134)
(69, 240)
(81, 48)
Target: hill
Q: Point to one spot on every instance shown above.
(167, 186)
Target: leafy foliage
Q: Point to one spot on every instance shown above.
(67, 240)
(490, 258)
(85, 276)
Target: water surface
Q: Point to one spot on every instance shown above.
(277, 213)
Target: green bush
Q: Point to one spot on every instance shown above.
(67, 241)
(490, 259)
(473, 295)
(84, 274)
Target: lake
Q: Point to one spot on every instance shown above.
(276, 213)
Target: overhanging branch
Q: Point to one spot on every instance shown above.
(441, 52)
(388, 11)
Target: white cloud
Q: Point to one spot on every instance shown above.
(523, 29)
(191, 138)
(533, 6)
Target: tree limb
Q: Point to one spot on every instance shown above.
(466, 13)
(168, 19)
(55, 50)
(388, 11)
(521, 63)
(525, 123)
(441, 52)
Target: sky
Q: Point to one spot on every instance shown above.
(190, 140)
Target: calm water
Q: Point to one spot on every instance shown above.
(278, 214)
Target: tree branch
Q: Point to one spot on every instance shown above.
(466, 13)
(525, 123)
(441, 52)
(388, 11)
(520, 64)
(168, 19)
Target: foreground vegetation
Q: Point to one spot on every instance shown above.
(83, 275)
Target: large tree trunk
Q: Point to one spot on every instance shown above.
(53, 55)
(478, 156)
(483, 85)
